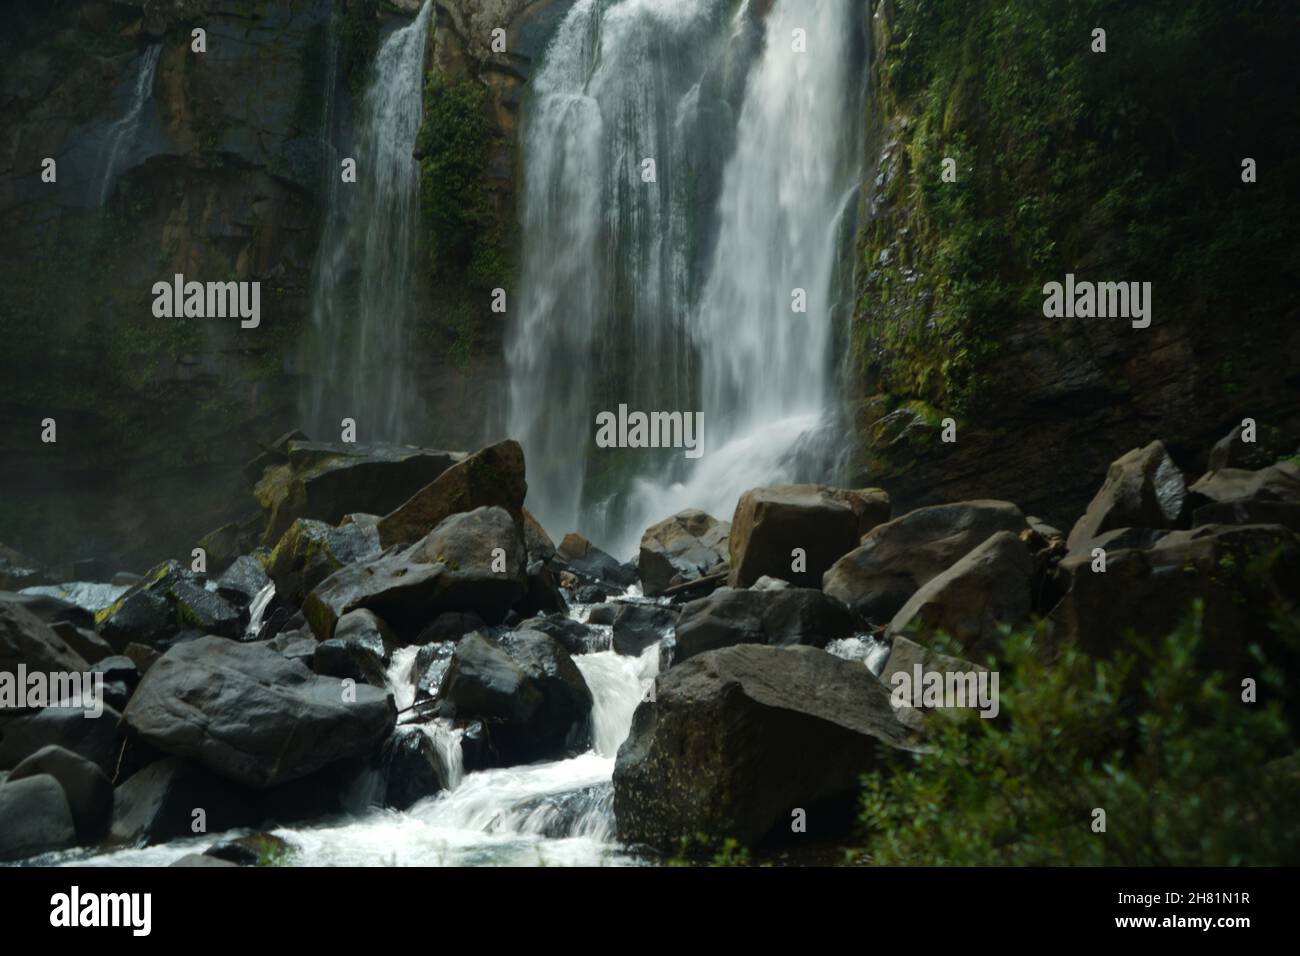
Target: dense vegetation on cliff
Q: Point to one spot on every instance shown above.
(1116, 165)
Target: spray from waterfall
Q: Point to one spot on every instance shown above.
(120, 137)
(363, 285)
(683, 293)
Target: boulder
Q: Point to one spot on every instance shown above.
(989, 586)
(98, 739)
(247, 713)
(1143, 489)
(449, 626)
(431, 663)
(637, 626)
(201, 860)
(536, 540)
(168, 600)
(360, 650)
(256, 849)
(491, 477)
(779, 618)
(311, 551)
(412, 769)
(526, 690)
(160, 803)
(544, 595)
(36, 818)
(87, 643)
(591, 565)
(243, 581)
(1231, 452)
(824, 523)
(574, 636)
(86, 787)
(904, 656)
(26, 639)
(1244, 512)
(738, 738)
(221, 547)
(451, 569)
(1242, 573)
(894, 559)
(686, 547)
(49, 608)
(327, 481)
(1278, 482)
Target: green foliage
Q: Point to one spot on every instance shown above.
(700, 849)
(1187, 772)
(1111, 164)
(272, 852)
(461, 224)
(358, 43)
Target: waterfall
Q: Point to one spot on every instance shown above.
(607, 258)
(677, 295)
(120, 137)
(363, 284)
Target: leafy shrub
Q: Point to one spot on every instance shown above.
(1187, 773)
(460, 218)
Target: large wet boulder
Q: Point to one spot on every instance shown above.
(1143, 489)
(171, 598)
(26, 639)
(536, 540)
(1279, 482)
(36, 818)
(574, 636)
(989, 586)
(87, 788)
(472, 562)
(172, 799)
(780, 618)
(360, 650)
(1242, 573)
(491, 477)
(248, 714)
(310, 551)
(822, 523)
(637, 626)
(590, 564)
(685, 547)
(243, 580)
(411, 768)
(1232, 451)
(306, 479)
(894, 559)
(98, 739)
(526, 690)
(738, 739)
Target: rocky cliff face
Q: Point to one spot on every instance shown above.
(218, 182)
(219, 176)
(1104, 165)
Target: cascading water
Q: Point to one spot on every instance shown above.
(678, 295)
(120, 137)
(363, 295)
(556, 812)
